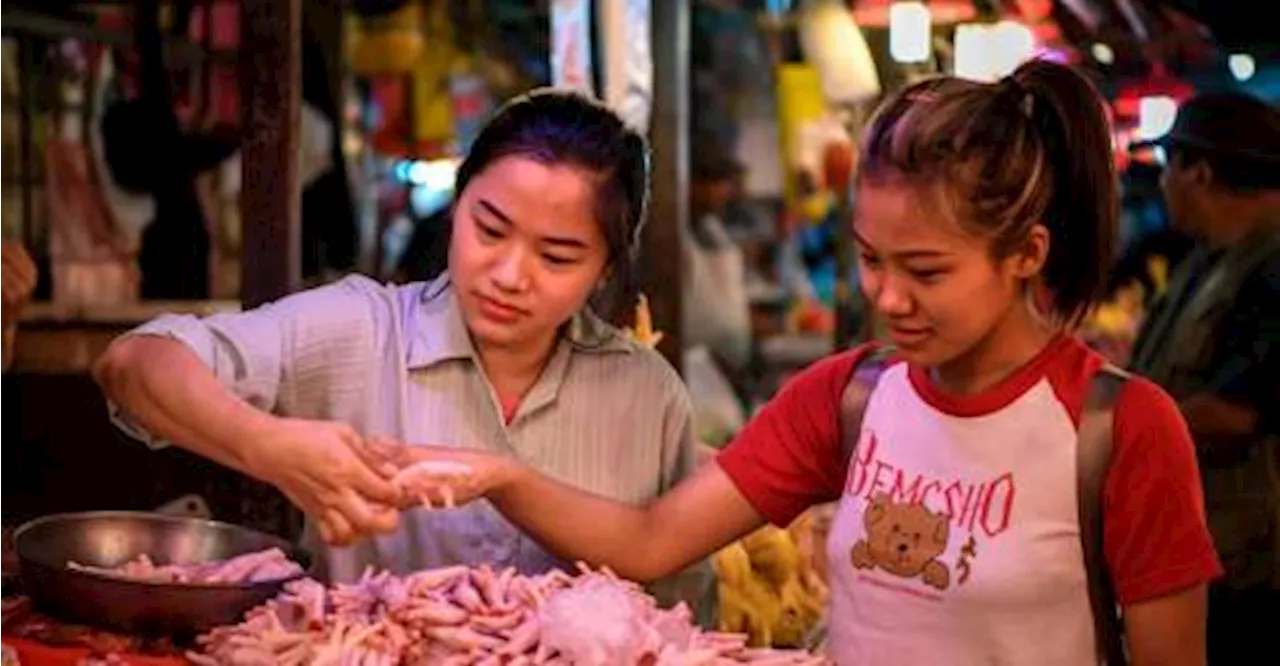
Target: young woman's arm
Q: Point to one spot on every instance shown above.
(1169, 630)
(1155, 533)
(679, 459)
(167, 390)
(786, 459)
(209, 385)
(697, 518)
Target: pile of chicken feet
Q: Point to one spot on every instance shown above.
(464, 615)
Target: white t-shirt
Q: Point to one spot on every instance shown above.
(956, 539)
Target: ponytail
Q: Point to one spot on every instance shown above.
(1081, 216)
(1032, 149)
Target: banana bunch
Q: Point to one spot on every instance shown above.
(767, 590)
(1119, 318)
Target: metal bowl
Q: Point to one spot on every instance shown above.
(109, 538)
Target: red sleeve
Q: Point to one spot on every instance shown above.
(1155, 533)
(787, 458)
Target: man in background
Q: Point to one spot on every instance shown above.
(1213, 341)
(19, 281)
(716, 310)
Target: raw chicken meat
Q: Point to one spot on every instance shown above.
(257, 567)
(462, 615)
(421, 479)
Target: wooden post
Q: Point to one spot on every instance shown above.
(270, 199)
(669, 213)
(27, 133)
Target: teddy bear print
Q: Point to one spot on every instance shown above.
(904, 540)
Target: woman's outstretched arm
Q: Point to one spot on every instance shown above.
(644, 543)
(696, 518)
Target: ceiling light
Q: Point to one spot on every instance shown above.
(1103, 53)
(1242, 66)
(909, 32)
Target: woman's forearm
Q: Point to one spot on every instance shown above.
(692, 521)
(580, 525)
(165, 388)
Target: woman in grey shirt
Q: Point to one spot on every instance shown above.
(502, 353)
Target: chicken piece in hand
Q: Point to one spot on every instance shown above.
(429, 478)
(436, 477)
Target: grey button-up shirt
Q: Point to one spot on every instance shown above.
(607, 415)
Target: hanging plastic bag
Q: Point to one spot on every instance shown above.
(717, 313)
(717, 412)
(91, 264)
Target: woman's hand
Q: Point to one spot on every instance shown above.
(325, 469)
(437, 476)
(640, 542)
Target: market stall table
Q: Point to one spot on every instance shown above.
(36, 639)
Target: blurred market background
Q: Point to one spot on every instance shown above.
(142, 155)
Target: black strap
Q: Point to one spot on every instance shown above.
(853, 402)
(1093, 461)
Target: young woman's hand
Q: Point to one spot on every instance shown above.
(437, 476)
(325, 469)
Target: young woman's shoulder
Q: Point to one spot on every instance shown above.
(788, 456)
(1142, 403)
(1156, 537)
(341, 310)
(827, 378)
(629, 363)
(1141, 407)
(1071, 367)
(349, 298)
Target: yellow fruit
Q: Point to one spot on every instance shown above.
(644, 332)
(766, 589)
(773, 553)
(797, 614)
(732, 564)
(746, 604)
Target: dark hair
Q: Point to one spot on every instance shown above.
(1032, 148)
(1235, 173)
(1235, 134)
(563, 127)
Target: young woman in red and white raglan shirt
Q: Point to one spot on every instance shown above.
(985, 216)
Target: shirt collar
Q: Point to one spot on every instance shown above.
(437, 332)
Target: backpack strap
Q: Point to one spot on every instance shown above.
(856, 395)
(1093, 461)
